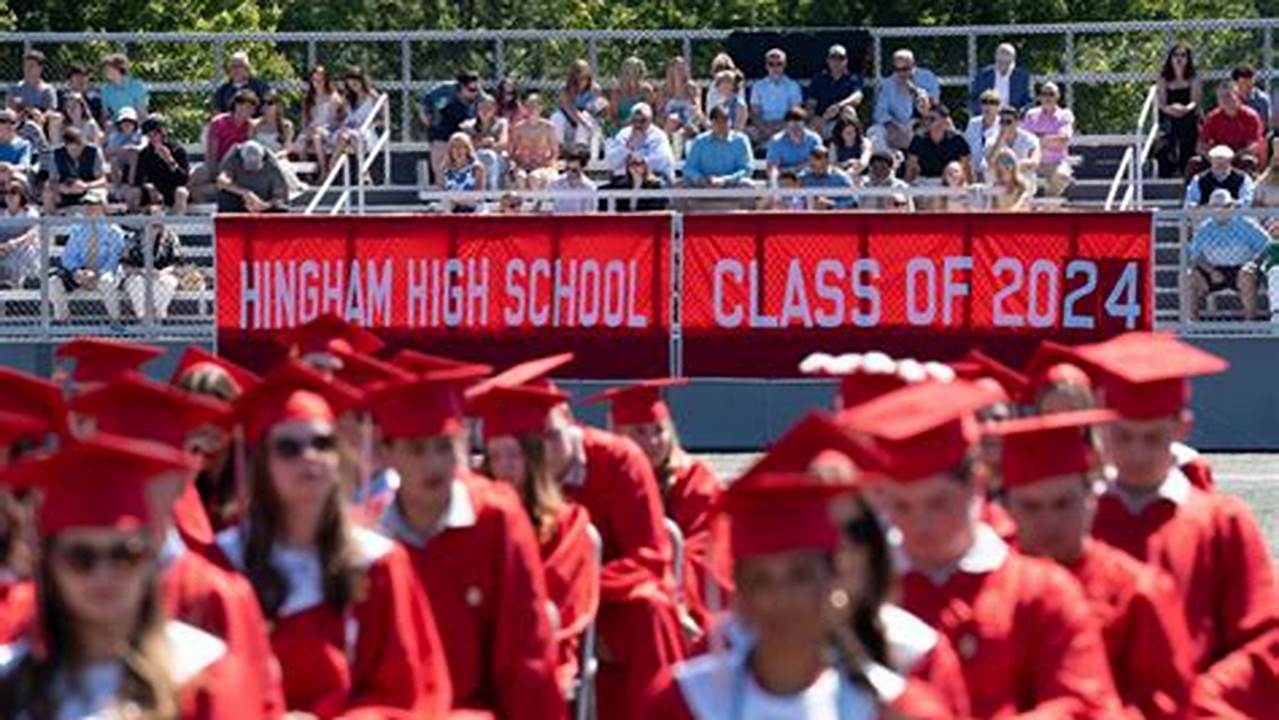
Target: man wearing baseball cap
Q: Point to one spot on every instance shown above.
(833, 89)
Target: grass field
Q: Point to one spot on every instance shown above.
(1253, 477)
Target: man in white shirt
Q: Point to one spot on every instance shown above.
(643, 138)
(1008, 134)
(574, 192)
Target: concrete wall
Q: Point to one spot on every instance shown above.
(1235, 411)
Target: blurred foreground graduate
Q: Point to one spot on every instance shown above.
(352, 629)
(1021, 625)
(473, 549)
(1209, 542)
(1050, 466)
(103, 646)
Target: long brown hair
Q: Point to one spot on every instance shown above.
(310, 99)
(146, 683)
(862, 530)
(339, 574)
(541, 493)
(218, 490)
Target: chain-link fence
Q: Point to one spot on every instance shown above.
(1104, 68)
(129, 276)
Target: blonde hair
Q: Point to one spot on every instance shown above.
(722, 62)
(461, 139)
(631, 73)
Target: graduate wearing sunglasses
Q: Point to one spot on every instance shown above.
(105, 647)
(352, 629)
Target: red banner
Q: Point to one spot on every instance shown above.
(495, 289)
(761, 291)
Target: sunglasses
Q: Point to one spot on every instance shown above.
(775, 63)
(903, 69)
(1007, 122)
(990, 102)
(1179, 54)
(268, 103)
(83, 558)
(289, 448)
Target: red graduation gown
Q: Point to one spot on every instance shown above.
(1244, 685)
(485, 582)
(1141, 621)
(382, 651)
(1212, 547)
(572, 584)
(192, 522)
(1022, 628)
(17, 607)
(638, 623)
(935, 678)
(690, 502)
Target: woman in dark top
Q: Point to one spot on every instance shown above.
(638, 177)
(849, 146)
(1179, 105)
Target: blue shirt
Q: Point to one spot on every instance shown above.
(783, 152)
(709, 156)
(832, 178)
(16, 152)
(1232, 243)
(131, 93)
(896, 104)
(772, 97)
(111, 245)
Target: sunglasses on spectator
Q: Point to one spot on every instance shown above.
(5, 121)
(290, 448)
(1007, 121)
(267, 103)
(83, 558)
(990, 102)
(13, 192)
(1179, 54)
(775, 63)
(903, 68)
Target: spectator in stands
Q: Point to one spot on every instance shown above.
(462, 172)
(19, 246)
(1009, 187)
(1009, 134)
(14, 150)
(323, 110)
(726, 93)
(881, 177)
(979, 127)
(166, 255)
(895, 101)
(720, 157)
(1236, 126)
(772, 97)
(508, 100)
(1222, 174)
(790, 147)
(1180, 97)
(251, 180)
(833, 89)
(239, 77)
(443, 111)
(582, 107)
(1266, 193)
(573, 191)
(163, 171)
(230, 129)
(680, 100)
(77, 169)
(273, 129)
(632, 88)
(722, 63)
(90, 260)
(34, 91)
(820, 174)
(1010, 83)
(78, 82)
(642, 137)
(361, 101)
(10, 173)
(1224, 254)
(779, 199)
(1054, 126)
(490, 132)
(955, 179)
(849, 147)
(935, 146)
(121, 89)
(30, 128)
(77, 114)
(1245, 77)
(534, 147)
(638, 177)
(121, 150)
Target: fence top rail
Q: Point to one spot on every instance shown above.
(634, 34)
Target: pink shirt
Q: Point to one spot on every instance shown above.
(225, 133)
(1043, 124)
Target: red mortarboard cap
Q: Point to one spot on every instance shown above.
(1146, 375)
(100, 482)
(781, 512)
(29, 395)
(420, 363)
(102, 360)
(292, 392)
(14, 426)
(327, 333)
(514, 410)
(977, 365)
(638, 403)
(923, 429)
(1047, 446)
(194, 357)
(360, 370)
(523, 373)
(139, 408)
(428, 406)
(814, 436)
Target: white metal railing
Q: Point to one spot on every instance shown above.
(364, 160)
(1132, 166)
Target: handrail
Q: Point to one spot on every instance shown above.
(1119, 176)
(380, 113)
(1136, 156)
(324, 188)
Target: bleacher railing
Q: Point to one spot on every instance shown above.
(1132, 167)
(364, 159)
